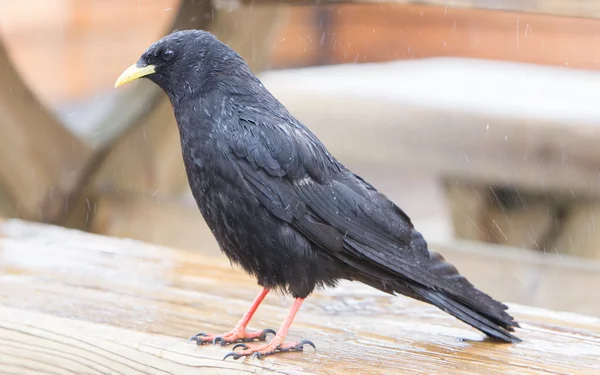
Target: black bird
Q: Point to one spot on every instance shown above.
(281, 206)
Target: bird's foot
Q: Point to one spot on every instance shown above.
(273, 347)
(234, 336)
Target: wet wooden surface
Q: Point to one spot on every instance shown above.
(76, 303)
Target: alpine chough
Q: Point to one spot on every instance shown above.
(280, 205)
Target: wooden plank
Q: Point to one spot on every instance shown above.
(566, 8)
(40, 161)
(385, 32)
(44, 344)
(77, 302)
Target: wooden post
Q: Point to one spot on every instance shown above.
(579, 234)
(41, 162)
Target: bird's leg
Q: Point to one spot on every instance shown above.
(276, 345)
(238, 333)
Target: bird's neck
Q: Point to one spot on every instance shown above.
(199, 116)
(208, 106)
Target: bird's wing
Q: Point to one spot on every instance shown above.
(294, 177)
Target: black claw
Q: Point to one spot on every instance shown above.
(305, 342)
(196, 337)
(269, 330)
(219, 340)
(263, 336)
(256, 355)
(244, 346)
(234, 355)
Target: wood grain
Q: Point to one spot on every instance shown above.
(72, 302)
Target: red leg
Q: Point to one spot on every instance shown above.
(276, 345)
(238, 333)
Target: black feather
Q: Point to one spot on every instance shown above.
(282, 206)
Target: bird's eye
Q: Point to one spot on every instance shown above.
(167, 54)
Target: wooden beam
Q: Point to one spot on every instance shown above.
(75, 302)
(409, 31)
(566, 8)
(40, 161)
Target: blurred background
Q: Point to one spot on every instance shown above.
(481, 121)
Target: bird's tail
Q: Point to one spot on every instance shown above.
(489, 325)
(455, 295)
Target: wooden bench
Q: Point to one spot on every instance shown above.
(72, 302)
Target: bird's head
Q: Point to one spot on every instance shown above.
(184, 62)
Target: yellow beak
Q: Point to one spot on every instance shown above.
(134, 72)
